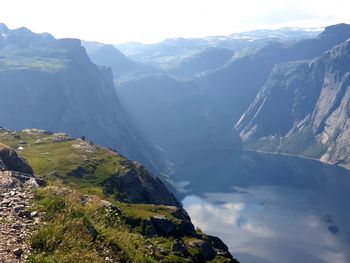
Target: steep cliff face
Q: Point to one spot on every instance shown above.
(231, 89)
(123, 68)
(52, 84)
(304, 109)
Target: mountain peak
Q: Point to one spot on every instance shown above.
(3, 27)
(338, 29)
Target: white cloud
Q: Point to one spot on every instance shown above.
(153, 20)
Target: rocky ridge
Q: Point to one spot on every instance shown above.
(18, 218)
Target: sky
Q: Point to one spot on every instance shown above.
(150, 21)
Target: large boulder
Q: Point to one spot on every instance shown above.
(9, 160)
(206, 251)
(180, 226)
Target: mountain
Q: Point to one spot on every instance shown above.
(51, 84)
(172, 115)
(308, 102)
(200, 113)
(166, 54)
(233, 87)
(172, 51)
(206, 60)
(125, 69)
(93, 205)
(122, 67)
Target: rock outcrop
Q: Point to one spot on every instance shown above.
(9, 160)
(137, 185)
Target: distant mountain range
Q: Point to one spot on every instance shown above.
(217, 90)
(201, 112)
(172, 51)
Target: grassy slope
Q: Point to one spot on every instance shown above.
(302, 143)
(76, 230)
(57, 157)
(18, 59)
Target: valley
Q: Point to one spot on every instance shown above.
(248, 132)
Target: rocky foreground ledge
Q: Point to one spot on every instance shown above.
(96, 206)
(18, 217)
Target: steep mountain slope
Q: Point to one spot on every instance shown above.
(232, 88)
(96, 206)
(122, 67)
(304, 109)
(173, 116)
(53, 85)
(208, 59)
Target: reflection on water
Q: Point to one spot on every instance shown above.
(270, 208)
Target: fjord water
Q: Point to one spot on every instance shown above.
(269, 208)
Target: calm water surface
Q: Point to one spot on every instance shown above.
(269, 208)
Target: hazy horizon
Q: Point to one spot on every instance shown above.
(153, 21)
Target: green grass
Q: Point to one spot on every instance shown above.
(76, 230)
(61, 160)
(302, 142)
(145, 211)
(41, 59)
(29, 63)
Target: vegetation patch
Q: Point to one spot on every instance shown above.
(80, 223)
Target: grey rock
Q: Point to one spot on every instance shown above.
(13, 162)
(17, 226)
(179, 246)
(137, 185)
(34, 214)
(205, 249)
(18, 252)
(5, 202)
(18, 208)
(163, 226)
(24, 213)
